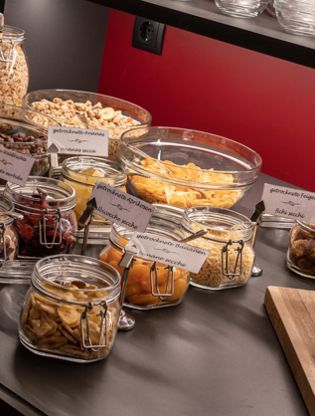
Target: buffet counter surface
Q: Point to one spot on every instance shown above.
(216, 353)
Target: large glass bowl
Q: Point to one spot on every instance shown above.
(186, 168)
(20, 131)
(90, 110)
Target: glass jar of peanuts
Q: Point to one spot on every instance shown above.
(71, 310)
(48, 223)
(14, 73)
(229, 241)
(149, 285)
(301, 251)
(82, 173)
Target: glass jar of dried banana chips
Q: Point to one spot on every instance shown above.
(229, 242)
(71, 310)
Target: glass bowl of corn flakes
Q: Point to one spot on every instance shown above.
(89, 110)
(187, 168)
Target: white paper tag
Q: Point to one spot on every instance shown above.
(166, 251)
(68, 140)
(15, 167)
(289, 202)
(122, 208)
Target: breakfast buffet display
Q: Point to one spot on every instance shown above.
(186, 182)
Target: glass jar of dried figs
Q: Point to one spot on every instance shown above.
(229, 242)
(14, 72)
(49, 222)
(71, 310)
(301, 251)
(8, 234)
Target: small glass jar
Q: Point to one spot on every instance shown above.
(242, 8)
(14, 72)
(8, 234)
(301, 251)
(82, 173)
(149, 285)
(229, 242)
(49, 223)
(71, 310)
(296, 16)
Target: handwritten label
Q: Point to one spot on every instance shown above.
(289, 202)
(77, 141)
(15, 167)
(122, 208)
(163, 250)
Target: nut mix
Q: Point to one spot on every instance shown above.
(88, 116)
(56, 327)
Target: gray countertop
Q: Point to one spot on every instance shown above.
(215, 354)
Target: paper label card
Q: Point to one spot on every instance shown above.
(289, 202)
(15, 167)
(167, 251)
(122, 208)
(68, 140)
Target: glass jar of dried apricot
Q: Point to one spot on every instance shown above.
(150, 285)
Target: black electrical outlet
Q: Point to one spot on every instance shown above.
(148, 35)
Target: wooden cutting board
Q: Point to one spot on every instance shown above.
(292, 313)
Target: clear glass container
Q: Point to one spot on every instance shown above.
(149, 285)
(14, 72)
(301, 251)
(82, 173)
(229, 241)
(49, 222)
(89, 110)
(20, 133)
(186, 168)
(8, 235)
(296, 16)
(71, 310)
(242, 8)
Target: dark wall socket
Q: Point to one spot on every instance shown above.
(148, 35)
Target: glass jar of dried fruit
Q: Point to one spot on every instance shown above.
(49, 223)
(150, 285)
(71, 310)
(301, 251)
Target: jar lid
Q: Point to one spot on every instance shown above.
(222, 224)
(89, 170)
(77, 279)
(41, 194)
(14, 34)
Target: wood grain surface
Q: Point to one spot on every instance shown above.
(292, 314)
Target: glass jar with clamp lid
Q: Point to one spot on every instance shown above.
(71, 310)
(149, 285)
(14, 72)
(49, 223)
(229, 241)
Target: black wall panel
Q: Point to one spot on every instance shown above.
(65, 41)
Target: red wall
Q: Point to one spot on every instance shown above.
(263, 102)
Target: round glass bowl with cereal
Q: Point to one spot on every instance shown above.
(20, 133)
(229, 240)
(90, 110)
(71, 310)
(187, 168)
(83, 172)
(149, 285)
(48, 222)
